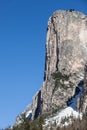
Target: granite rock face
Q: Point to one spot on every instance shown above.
(66, 57)
(66, 41)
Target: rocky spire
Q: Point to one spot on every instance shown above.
(66, 57)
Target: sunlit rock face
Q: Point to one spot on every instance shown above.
(66, 46)
(66, 56)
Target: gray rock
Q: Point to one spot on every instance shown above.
(66, 54)
(83, 102)
(66, 57)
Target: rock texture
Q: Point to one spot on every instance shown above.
(66, 57)
(83, 105)
(37, 105)
(25, 114)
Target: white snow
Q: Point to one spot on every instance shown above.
(28, 113)
(65, 113)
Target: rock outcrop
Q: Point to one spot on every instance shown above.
(66, 57)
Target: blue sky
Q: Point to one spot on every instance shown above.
(23, 26)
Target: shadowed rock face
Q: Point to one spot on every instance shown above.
(38, 108)
(83, 102)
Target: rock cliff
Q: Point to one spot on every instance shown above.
(66, 57)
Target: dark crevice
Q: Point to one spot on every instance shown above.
(57, 43)
(57, 49)
(85, 80)
(83, 97)
(72, 102)
(45, 65)
(39, 104)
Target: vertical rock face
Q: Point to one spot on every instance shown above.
(66, 41)
(84, 94)
(37, 103)
(66, 56)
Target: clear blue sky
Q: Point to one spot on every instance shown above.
(23, 26)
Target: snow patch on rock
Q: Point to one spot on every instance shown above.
(64, 114)
(29, 114)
